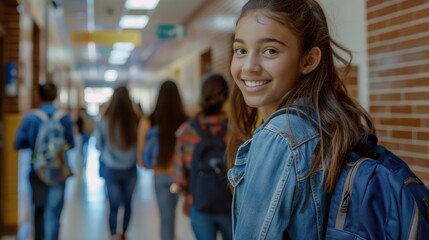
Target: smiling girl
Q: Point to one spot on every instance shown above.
(284, 71)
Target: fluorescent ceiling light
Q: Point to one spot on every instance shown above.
(111, 75)
(141, 4)
(117, 61)
(119, 54)
(123, 46)
(133, 21)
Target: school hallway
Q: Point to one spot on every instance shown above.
(85, 213)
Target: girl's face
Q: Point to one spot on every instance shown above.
(266, 62)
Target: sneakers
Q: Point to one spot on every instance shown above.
(118, 236)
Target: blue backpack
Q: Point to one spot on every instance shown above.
(151, 149)
(208, 175)
(377, 196)
(49, 155)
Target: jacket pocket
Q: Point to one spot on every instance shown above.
(236, 173)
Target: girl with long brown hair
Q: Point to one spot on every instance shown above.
(167, 117)
(284, 71)
(116, 138)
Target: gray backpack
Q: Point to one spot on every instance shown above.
(49, 156)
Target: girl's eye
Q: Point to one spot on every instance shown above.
(239, 51)
(270, 51)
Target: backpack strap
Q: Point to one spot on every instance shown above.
(58, 115)
(42, 115)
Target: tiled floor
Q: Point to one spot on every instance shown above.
(86, 209)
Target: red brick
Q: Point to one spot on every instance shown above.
(378, 109)
(423, 136)
(401, 109)
(407, 122)
(385, 97)
(402, 134)
(421, 109)
(419, 82)
(417, 96)
(382, 11)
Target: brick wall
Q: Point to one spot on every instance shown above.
(398, 37)
(11, 48)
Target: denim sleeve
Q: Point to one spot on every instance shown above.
(22, 138)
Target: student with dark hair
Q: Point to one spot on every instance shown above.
(116, 138)
(48, 200)
(167, 117)
(284, 71)
(85, 125)
(200, 167)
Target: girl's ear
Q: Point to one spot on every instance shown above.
(311, 60)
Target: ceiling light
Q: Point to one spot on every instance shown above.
(133, 21)
(119, 54)
(123, 46)
(141, 4)
(110, 75)
(117, 61)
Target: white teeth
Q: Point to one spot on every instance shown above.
(255, 83)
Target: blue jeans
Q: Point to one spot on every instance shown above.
(167, 202)
(120, 187)
(207, 225)
(84, 147)
(48, 203)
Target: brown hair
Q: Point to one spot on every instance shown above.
(122, 120)
(340, 117)
(168, 115)
(214, 93)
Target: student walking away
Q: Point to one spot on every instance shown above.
(159, 142)
(116, 139)
(284, 71)
(201, 166)
(48, 132)
(85, 125)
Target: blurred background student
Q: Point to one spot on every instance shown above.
(167, 116)
(85, 125)
(200, 165)
(116, 138)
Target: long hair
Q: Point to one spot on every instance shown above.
(340, 118)
(122, 120)
(168, 115)
(214, 93)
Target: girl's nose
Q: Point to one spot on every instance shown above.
(251, 65)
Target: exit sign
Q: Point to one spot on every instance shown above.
(171, 31)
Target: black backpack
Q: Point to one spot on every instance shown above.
(208, 173)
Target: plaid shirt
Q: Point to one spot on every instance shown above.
(186, 140)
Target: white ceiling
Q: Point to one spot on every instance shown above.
(106, 17)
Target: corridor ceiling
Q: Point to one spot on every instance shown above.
(83, 17)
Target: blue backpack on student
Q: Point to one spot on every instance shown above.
(208, 175)
(377, 196)
(49, 155)
(151, 149)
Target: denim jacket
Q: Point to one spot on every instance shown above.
(273, 196)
